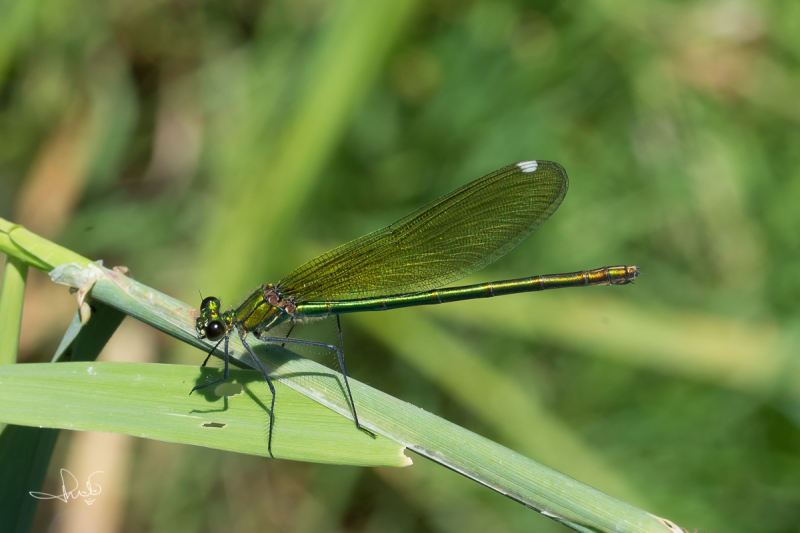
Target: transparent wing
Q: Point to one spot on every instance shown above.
(440, 243)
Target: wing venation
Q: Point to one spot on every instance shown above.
(440, 243)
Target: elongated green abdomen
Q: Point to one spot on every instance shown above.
(617, 275)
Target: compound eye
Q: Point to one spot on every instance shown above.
(215, 330)
(209, 302)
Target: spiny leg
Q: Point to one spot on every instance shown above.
(289, 332)
(212, 351)
(224, 373)
(271, 388)
(339, 356)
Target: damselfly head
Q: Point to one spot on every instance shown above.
(209, 324)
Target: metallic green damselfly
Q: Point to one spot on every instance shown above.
(407, 263)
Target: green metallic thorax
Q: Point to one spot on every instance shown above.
(261, 311)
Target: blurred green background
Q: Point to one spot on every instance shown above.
(213, 146)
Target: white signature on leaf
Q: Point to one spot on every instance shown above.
(93, 489)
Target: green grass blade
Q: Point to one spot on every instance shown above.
(25, 451)
(36, 252)
(510, 410)
(153, 401)
(84, 342)
(12, 294)
(553, 494)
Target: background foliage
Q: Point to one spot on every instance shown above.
(169, 135)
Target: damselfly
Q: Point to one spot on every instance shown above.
(407, 263)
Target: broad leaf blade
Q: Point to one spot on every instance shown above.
(153, 401)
